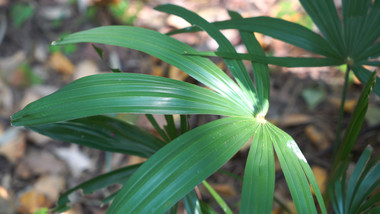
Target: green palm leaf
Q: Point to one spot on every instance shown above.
(355, 124)
(99, 182)
(165, 48)
(104, 133)
(280, 61)
(289, 32)
(364, 75)
(356, 195)
(260, 71)
(324, 15)
(367, 30)
(178, 167)
(297, 172)
(236, 67)
(133, 93)
(192, 204)
(258, 185)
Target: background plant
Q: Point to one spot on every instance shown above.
(353, 41)
(175, 169)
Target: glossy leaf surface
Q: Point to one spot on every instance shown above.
(165, 48)
(236, 66)
(324, 15)
(260, 71)
(178, 167)
(123, 92)
(104, 133)
(259, 176)
(289, 32)
(192, 204)
(280, 61)
(297, 172)
(357, 195)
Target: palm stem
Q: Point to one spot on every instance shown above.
(341, 111)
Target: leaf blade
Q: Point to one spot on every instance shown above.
(260, 71)
(364, 75)
(163, 47)
(355, 124)
(259, 176)
(297, 172)
(236, 67)
(192, 204)
(280, 61)
(324, 15)
(220, 140)
(104, 180)
(104, 133)
(123, 92)
(289, 32)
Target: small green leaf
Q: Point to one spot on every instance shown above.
(355, 124)
(313, 96)
(226, 209)
(117, 176)
(155, 125)
(364, 75)
(358, 195)
(170, 127)
(192, 204)
(100, 53)
(20, 13)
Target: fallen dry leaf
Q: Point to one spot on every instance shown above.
(61, 63)
(6, 99)
(132, 159)
(317, 137)
(157, 70)
(85, 68)
(9, 64)
(291, 206)
(14, 148)
(40, 162)
(50, 185)
(177, 74)
(34, 93)
(177, 22)
(277, 210)
(75, 159)
(321, 176)
(31, 201)
(294, 119)
(6, 202)
(349, 105)
(373, 115)
(38, 138)
(226, 190)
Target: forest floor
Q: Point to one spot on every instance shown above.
(35, 170)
